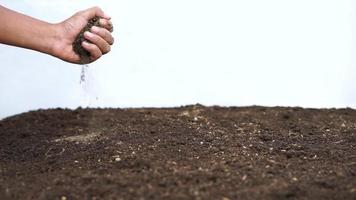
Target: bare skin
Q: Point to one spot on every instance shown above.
(56, 39)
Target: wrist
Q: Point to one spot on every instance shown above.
(55, 40)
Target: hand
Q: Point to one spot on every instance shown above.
(100, 37)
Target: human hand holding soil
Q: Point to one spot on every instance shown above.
(95, 39)
(57, 39)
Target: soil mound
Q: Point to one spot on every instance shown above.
(191, 152)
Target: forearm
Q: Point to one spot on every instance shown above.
(23, 31)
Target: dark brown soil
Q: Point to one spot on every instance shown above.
(192, 152)
(77, 44)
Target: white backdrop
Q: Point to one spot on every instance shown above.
(171, 53)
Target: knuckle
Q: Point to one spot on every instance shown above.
(90, 47)
(101, 31)
(97, 8)
(93, 47)
(98, 52)
(99, 55)
(103, 23)
(96, 55)
(96, 38)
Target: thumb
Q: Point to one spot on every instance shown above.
(95, 12)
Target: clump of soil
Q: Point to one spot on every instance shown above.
(192, 152)
(77, 44)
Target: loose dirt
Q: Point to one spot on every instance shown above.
(77, 44)
(192, 152)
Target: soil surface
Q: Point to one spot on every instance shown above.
(192, 152)
(77, 44)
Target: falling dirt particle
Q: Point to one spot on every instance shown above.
(63, 198)
(294, 179)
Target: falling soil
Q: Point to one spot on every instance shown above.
(77, 44)
(192, 152)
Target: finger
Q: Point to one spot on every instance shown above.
(104, 33)
(98, 41)
(93, 12)
(106, 24)
(94, 51)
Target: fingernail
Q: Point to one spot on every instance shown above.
(86, 43)
(88, 34)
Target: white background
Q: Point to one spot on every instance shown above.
(171, 53)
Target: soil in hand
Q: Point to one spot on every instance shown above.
(77, 44)
(192, 152)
